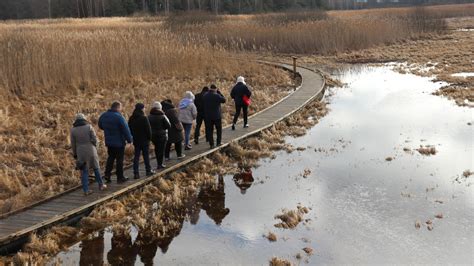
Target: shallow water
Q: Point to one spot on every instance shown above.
(363, 208)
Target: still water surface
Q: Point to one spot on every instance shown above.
(363, 207)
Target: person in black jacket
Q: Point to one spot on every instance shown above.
(175, 133)
(141, 132)
(213, 114)
(159, 132)
(238, 92)
(199, 102)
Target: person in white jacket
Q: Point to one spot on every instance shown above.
(187, 115)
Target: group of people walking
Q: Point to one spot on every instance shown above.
(165, 126)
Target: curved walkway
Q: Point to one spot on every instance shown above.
(71, 206)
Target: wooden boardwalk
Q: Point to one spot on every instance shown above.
(70, 206)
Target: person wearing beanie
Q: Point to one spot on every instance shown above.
(117, 135)
(213, 114)
(83, 144)
(199, 102)
(159, 132)
(175, 133)
(141, 132)
(187, 115)
(241, 95)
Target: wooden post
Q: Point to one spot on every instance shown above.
(294, 67)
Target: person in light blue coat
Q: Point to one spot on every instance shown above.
(117, 135)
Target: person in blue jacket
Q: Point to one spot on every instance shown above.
(117, 135)
(213, 114)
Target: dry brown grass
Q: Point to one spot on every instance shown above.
(160, 209)
(321, 34)
(52, 69)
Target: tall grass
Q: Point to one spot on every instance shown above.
(50, 71)
(311, 32)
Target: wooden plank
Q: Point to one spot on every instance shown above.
(74, 202)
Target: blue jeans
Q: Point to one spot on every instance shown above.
(187, 132)
(145, 151)
(85, 178)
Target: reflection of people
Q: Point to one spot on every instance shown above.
(146, 246)
(244, 180)
(92, 252)
(122, 251)
(212, 199)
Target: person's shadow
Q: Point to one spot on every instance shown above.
(212, 199)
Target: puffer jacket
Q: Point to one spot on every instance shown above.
(140, 128)
(238, 92)
(159, 124)
(187, 111)
(175, 133)
(115, 129)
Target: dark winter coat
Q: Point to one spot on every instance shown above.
(140, 128)
(199, 102)
(175, 133)
(212, 105)
(159, 124)
(115, 128)
(238, 92)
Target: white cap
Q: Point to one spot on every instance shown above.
(241, 79)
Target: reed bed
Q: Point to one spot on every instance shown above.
(52, 70)
(321, 33)
(160, 209)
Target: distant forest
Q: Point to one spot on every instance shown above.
(25, 9)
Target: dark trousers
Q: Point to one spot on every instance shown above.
(145, 151)
(211, 124)
(245, 110)
(197, 130)
(115, 154)
(160, 144)
(178, 146)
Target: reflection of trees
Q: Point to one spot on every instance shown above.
(161, 229)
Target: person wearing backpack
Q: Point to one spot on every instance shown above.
(241, 95)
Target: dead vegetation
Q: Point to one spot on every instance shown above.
(280, 262)
(291, 218)
(427, 150)
(271, 237)
(82, 66)
(160, 209)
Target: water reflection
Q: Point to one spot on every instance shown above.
(92, 252)
(244, 180)
(363, 208)
(212, 199)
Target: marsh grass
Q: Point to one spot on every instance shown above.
(53, 69)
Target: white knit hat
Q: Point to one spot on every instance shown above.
(80, 116)
(156, 105)
(189, 95)
(241, 79)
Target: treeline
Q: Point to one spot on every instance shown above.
(23, 9)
